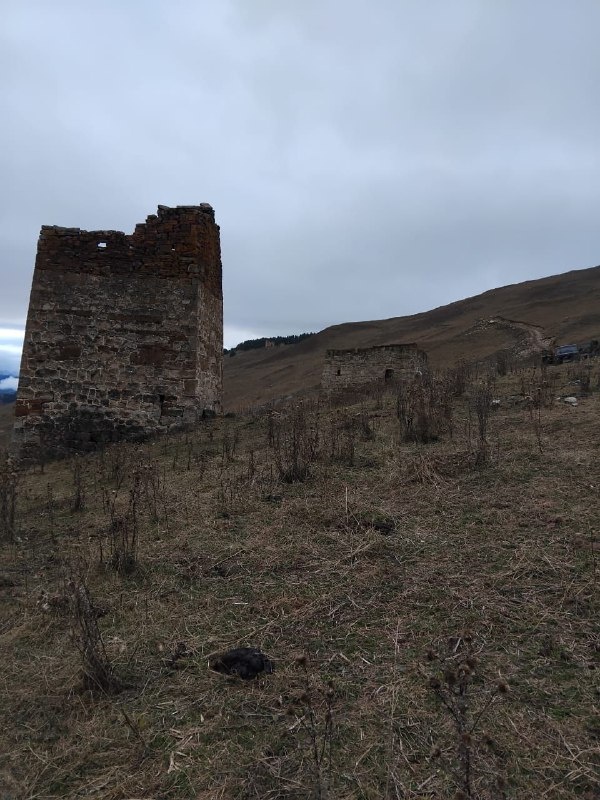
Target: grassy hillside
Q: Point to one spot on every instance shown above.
(431, 609)
(564, 307)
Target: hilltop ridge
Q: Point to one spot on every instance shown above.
(558, 307)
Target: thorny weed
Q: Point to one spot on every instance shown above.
(296, 443)
(123, 528)
(319, 732)
(424, 408)
(50, 511)
(150, 486)
(97, 671)
(229, 444)
(9, 481)
(581, 375)
(457, 378)
(460, 690)
(482, 405)
(77, 470)
(342, 434)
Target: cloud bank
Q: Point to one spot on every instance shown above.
(364, 160)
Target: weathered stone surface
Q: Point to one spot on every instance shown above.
(346, 369)
(124, 335)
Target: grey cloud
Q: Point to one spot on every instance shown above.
(364, 159)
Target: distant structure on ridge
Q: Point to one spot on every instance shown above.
(360, 366)
(124, 333)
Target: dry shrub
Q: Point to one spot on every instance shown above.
(9, 479)
(544, 391)
(342, 434)
(422, 469)
(233, 489)
(78, 501)
(424, 407)
(229, 444)
(482, 405)
(458, 377)
(123, 530)
(115, 464)
(435, 467)
(538, 386)
(502, 362)
(355, 395)
(149, 487)
(472, 760)
(123, 542)
(98, 672)
(296, 442)
(581, 374)
(313, 713)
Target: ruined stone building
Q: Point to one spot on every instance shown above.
(346, 369)
(124, 334)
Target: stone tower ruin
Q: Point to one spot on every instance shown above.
(361, 366)
(124, 333)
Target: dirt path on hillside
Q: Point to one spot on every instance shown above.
(530, 339)
(535, 338)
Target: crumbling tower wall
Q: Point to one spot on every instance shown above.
(361, 366)
(124, 334)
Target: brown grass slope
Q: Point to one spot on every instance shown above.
(433, 618)
(565, 306)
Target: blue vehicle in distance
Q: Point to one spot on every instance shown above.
(566, 352)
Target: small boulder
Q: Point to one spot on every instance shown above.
(571, 401)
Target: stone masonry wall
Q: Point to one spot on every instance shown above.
(345, 369)
(124, 334)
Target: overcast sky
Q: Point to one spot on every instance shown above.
(365, 159)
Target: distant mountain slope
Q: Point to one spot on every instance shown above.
(563, 307)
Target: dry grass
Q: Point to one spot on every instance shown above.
(366, 583)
